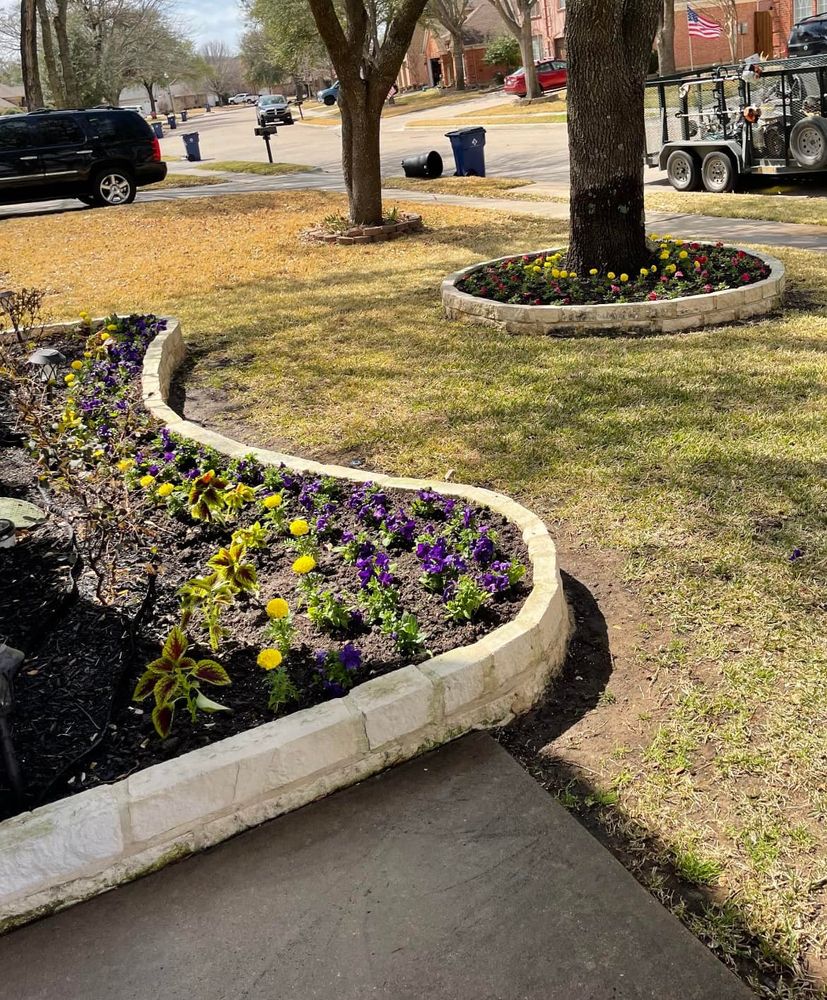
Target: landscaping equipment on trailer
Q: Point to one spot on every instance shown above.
(768, 117)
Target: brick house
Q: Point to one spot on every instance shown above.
(429, 61)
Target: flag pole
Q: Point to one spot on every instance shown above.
(691, 57)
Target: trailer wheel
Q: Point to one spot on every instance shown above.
(718, 172)
(808, 143)
(682, 171)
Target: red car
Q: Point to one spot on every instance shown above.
(551, 74)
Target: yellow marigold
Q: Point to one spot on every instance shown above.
(104, 335)
(304, 564)
(683, 255)
(653, 269)
(593, 271)
(126, 464)
(69, 379)
(564, 274)
(665, 255)
(147, 481)
(678, 243)
(644, 271)
(97, 453)
(611, 275)
(573, 275)
(299, 527)
(624, 277)
(84, 316)
(272, 502)
(278, 608)
(555, 273)
(269, 659)
(671, 269)
(112, 328)
(77, 365)
(165, 489)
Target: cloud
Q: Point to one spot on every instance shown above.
(212, 21)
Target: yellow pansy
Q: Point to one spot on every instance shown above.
(147, 481)
(555, 273)
(112, 328)
(304, 564)
(269, 659)
(683, 255)
(69, 379)
(272, 502)
(165, 489)
(665, 255)
(624, 277)
(104, 335)
(611, 275)
(644, 271)
(593, 271)
(126, 464)
(278, 608)
(77, 365)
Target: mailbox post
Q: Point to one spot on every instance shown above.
(265, 131)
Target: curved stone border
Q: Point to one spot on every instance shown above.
(408, 222)
(92, 841)
(689, 312)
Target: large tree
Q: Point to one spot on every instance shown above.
(516, 15)
(452, 15)
(291, 35)
(366, 42)
(609, 46)
(164, 58)
(260, 66)
(665, 39)
(28, 54)
(221, 69)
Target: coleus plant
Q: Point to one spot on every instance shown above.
(207, 500)
(175, 677)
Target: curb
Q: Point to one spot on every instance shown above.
(83, 845)
(688, 312)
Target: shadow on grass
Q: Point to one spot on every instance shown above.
(720, 924)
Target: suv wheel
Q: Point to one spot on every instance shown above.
(114, 186)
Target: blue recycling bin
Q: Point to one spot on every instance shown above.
(192, 145)
(184, 115)
(468, 145)
(158, 129)
(171, 121)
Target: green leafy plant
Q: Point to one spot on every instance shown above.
(230, 567)
(207, 500)
(379, 601)
(328, 612)
(236, 497)
(282, 689)
(468, 598)
(407, 635)
(210, 596)
(254, 537)
(280, 632)
(175, 677)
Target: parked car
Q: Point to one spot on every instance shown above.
(329, 95)
(273, 108)
(100, 156)
(809, 36)
(243, 99)
(551, 75)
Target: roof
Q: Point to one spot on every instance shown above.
(481, 26)
(16, 91)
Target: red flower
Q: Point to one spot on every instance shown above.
(707, 289)
(745, 277)
(652, 296)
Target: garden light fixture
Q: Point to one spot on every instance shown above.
(47, 360)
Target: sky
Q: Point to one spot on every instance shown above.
(211, 21)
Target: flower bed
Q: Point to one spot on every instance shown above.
(337, 229)
(272, 590)
(536, 294)
(676, 269)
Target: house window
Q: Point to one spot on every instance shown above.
(537, 46)
(802, 9)
(561, 4)
(821, 7)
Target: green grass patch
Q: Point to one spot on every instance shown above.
(184, 181)
(475, 187)
(253, 167)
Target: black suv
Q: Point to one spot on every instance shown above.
(809, 37)
(100, 155)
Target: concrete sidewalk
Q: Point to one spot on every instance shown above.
(453, 877)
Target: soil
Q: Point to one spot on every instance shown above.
(75, 725)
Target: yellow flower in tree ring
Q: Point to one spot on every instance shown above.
(564, 274)
(611, 275)
(126, 464)
(269, 659)
(624, 277)
(665, 255)
(299, 527)
(593, 271)
(304, 564)
(77, 365)
(147, 481)
(278, 608)
(683, 255)
(272, 502)
(555, 273)
(573, 275)
(644, 271)
(165, 489)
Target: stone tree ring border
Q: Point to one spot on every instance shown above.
(689, 312)
(87, 843)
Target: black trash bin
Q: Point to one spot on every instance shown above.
(427, 165)
(171, 121)
(468, 145)
(184, 115)
(158, 129)
(192, 145)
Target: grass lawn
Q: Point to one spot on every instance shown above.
(691, 468)
(253, 167)
(773, 207)
(474, 187)
(184, 181)
(404, 104)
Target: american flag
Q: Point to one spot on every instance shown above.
(700, 26)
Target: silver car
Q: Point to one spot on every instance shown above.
(273, 109)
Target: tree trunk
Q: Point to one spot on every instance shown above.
(149, 87)
(609, 45)
(458, 47)
(28, 55)
(52, 73)
(360, 157)
(532, 86)
(70, 86)
(665, 39)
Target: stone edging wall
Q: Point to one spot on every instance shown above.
(77, 847)
(689, 312)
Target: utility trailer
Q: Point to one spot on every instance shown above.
(707, 130)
